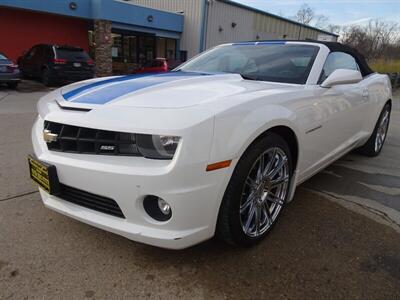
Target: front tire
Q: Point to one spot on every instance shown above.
(256, 193)
(375, 143)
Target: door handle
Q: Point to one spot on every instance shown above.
(365, 93)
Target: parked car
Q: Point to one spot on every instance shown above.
(216, 146)
(158, 65)
(9, 72)
(54, 64)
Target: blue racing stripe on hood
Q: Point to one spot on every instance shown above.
(101, 92)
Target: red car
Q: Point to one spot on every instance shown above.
(158, 65)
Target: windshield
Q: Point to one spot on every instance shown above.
(72, 54)
(153, 64)
(276, 62)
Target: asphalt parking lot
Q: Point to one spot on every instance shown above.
(339, 238)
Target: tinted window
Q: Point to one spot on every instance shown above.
(32, 52)
(48, 52)
(153, 64)
(158, 63)
(39, 51)
(72, 54)
(338, 60)
(277, 62)
(2, 56)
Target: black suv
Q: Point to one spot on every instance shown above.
(56, 64)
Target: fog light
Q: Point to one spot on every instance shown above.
(164, 206)
(157, 208)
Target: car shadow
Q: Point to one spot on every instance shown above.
(27, 86)
(310, 252)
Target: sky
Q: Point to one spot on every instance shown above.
(339, 12)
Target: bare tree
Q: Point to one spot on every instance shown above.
(306, 15)
(377, 39)
(320, 21)
(333, 28)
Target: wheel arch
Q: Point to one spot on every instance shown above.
(285, 131)
(235, 131)
(290, 138)
(288, 134)
(389, 101)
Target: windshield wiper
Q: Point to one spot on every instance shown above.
(250, 77)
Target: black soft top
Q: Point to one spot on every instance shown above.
(338, 47)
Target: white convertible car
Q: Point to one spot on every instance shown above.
(216, 147)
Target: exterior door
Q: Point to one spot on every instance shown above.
(37, 61)
(27, 61)
(336, 116)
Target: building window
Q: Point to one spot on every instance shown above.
(161, 47)
(147, 45)
(171, 49)
(116, 50)
(166, 48)
(130, 48)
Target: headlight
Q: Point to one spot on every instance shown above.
(157, 146)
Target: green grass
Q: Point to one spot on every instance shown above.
(385, 66)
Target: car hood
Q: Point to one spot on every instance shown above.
(168, 90)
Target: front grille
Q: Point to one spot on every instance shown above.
(89, 200)
(76, 139)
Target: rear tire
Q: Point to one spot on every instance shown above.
(24, 74)
(375, 143)
(46, 78)
(256, 193)
(12, 85)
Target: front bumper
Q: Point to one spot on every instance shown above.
(10, 77)
(193, 194)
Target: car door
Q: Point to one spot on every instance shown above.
(27, 65)
(353, 104)
(336, 116)
(37, 61)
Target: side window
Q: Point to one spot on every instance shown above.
(31, 52)
(48, 53)
(39, 52)
(338, 60)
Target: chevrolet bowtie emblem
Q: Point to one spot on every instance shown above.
(49, 137)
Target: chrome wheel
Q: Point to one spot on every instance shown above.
(382, 131)
(264, 192)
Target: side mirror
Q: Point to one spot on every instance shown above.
(342, 76)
